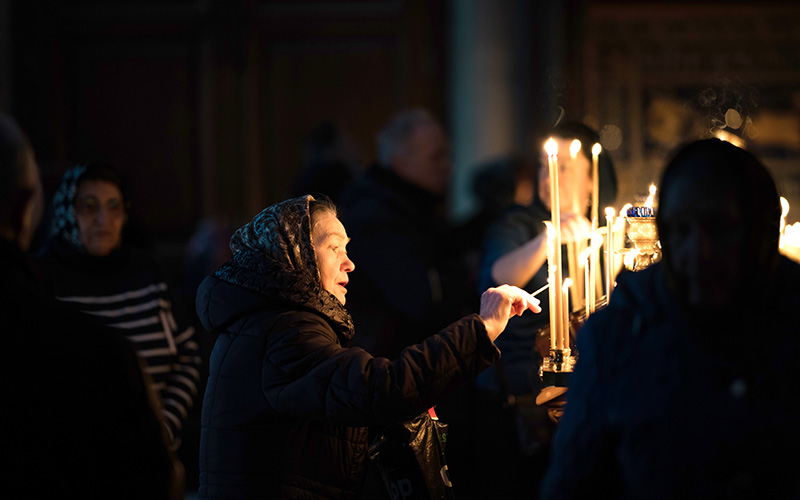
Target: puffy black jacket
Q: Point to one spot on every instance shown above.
(288, 403)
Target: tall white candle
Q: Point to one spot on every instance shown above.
(584, 262)
(609, 249)
(594, 264)
(551, 280)
(565, 316)
(551, 148)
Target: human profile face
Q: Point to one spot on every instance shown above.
(574, 180)
(425, 158)
(330, 242)
(100, 212)
(703, 237)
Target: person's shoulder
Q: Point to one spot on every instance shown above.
(636, 295)
(222, 305)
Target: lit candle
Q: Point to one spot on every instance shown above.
(596, 244)
(651, 197)
(565, 314)
(574, 149)
(584, 261)
(596, 149)
(609, 249)
(551, 148)
(594, 264)
(551, 277)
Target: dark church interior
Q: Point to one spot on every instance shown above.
(213, 110)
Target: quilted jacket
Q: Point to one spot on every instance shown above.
(288, 404)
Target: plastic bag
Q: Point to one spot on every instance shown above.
(411, 461)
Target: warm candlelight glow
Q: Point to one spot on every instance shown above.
(650, 198)
(574, 149)
(597, 240)
(791, 235)
(726, 136)
(628, 257)
(594, 264)
(557, 305)
(564, 344)
(583, 260)
(789, 242)
(551, 280)
(784, 211)
(610, 212)
(609, 248)
(551, 147)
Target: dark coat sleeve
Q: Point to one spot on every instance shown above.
(307, 373)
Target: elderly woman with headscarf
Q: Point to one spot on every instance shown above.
(288, 403)
(686, 384)
(90, 266)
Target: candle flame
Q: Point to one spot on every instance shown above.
(551, 147)
(583, 257)
(649, 202)
(789, 242)
(596, 149)
(574, 148)
(791, 235)
(567, 284)
(551, 233)
(610, 212)
(726, 136)
(628, 258)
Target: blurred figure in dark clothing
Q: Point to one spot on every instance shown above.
(412, 275)
(79, 419)
(498, 185)
(686, 384)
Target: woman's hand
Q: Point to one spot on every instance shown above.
(501, 303)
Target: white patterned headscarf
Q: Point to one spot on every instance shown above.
(65, 225)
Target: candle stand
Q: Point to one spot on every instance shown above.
(643, 234)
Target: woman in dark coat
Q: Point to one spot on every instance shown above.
(288, 403)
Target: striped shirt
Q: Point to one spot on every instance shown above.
(134, 299)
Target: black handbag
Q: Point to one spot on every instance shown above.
(411, 461)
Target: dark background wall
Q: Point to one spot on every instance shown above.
(205, 104)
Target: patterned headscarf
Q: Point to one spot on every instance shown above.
(273, 254)
(65, 225)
